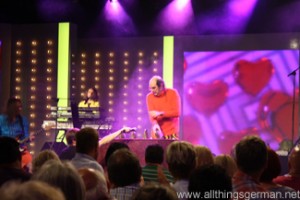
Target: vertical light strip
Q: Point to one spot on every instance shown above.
(63, 69)
(168, 60)
(63, 63)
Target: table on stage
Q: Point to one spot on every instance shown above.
(138, 146)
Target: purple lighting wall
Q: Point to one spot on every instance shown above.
(230, 94)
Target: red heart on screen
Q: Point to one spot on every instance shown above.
(192, 130)
(206, 97)
(228, 139)
(185, 65)
(275, 114)
(253, 76)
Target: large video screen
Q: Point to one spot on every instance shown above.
(230, 94)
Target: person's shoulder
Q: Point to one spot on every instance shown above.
(81, 103)
(149, 95)
(171, 91)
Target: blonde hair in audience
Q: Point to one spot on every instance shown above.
(203, 156)
(227, 162)
(95, 184)
(181, 159)
(64, 176)
(31, 190)
(41, 158)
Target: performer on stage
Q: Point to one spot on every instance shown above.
(164, 109)
(13, 124)
(91, 99)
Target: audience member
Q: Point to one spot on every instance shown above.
(273, 170)
(181, 159)
(203, 156)
(124, 173)
(292, 179)
(151, 191)
(227, 162)
(211, 182)
(251, 159)
(41, 158)
(68, 153)
(31, 190)
(95, 184)
(112, 148)
(10, 161)
(154, 157)
(63, 176)
(87, 149)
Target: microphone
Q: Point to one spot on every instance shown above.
(86, 100)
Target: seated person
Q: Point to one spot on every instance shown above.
(155, 191)
(124, 173)
(95, 184)
(292, 179)
(30, 190)
(69, 152)
(41, 158)
(209, 178)
(10, 161)
(154, 157)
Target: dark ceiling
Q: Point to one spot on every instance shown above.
(269, 16)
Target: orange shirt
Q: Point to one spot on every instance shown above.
(169, 103)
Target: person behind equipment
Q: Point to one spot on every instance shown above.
(91, 99)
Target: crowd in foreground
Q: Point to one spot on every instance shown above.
(251, 171)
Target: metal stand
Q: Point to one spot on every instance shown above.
(293, 73)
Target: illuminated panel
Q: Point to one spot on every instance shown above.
(97, 65)
(18, 70)
(63, 63)
(49, 75)
(63, 67)
(168, 60)
(33, 81)
(125, 94)
(140, 91)
(111, 80)
(83, 73)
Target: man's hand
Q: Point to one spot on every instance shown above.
(127, 129)
(154, 114)
(156, 132)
